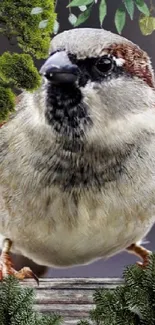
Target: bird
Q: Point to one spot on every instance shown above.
(77, 158)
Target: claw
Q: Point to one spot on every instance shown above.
(141, 252)
(6, 266)
(143, 264)
(24, 273)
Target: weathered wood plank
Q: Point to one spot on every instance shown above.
(77, 280)
(74, 283)
(64, 296)
(72, 298)
(66, 310)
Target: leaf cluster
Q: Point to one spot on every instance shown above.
(18, 21)
(16, 71)
(31, 29)
(126, 7)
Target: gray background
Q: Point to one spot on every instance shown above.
(114, 266)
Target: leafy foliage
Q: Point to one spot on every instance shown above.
(19, 20)
(130, 7)
(83, 16)
(19, 70)
(127, 6)
(147, 25)
(120, 17)
(29, 23)
(7, 102)
(132, 303)
(102, 11)
(16, 307)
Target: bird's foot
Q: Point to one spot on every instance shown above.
(6, 266)
(141, 252)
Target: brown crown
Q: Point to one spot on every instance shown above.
(137, 62)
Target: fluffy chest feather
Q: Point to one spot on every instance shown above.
(82, 169)
(68, 231)
(83, 221)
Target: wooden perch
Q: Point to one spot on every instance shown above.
(70, 298)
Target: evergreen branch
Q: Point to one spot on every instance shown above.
(16, 307)
(132, 303)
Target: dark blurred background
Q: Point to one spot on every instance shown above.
(115, 265)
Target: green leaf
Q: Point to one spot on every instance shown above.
(83, 17)
(147, 25)
(130, 6)
(120, 18)
(142, 6)
(72, 19)
(78, 3)
(36, 11)
(102, 11)
(43, 23)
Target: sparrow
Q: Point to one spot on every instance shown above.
(77, 159)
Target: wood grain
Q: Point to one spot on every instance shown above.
(72, 298)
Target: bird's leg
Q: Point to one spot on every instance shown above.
(6, 266)
(141, 252)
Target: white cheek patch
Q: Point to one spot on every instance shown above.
(119, 62)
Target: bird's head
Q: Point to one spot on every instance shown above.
(95, 82)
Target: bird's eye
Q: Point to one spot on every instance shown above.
(104, 65)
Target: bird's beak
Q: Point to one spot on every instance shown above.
(59, 69)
